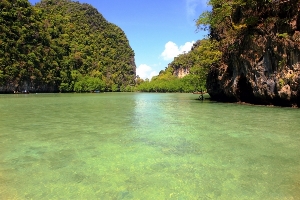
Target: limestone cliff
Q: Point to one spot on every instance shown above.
(181, 72)
(261, 62)
(182, 64)
(62, 46)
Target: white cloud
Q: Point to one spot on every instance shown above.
(144, 71)
(153, 73)
(191, 6)
(172, 50)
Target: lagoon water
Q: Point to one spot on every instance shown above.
(146, 146)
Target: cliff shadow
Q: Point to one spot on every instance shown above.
(244, 91)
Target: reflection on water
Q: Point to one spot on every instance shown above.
(145, 146)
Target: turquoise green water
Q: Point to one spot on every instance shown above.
(146, 146)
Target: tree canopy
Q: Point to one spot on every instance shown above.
(61, 45)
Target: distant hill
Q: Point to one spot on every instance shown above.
(61, 45)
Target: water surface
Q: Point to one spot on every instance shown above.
(146, 146)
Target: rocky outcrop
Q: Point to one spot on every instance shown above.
(181, 72)
(26, 87)
(182, 64)
(264, 65)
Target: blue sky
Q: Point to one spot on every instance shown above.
(157, 30)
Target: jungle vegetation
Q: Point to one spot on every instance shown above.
(76, 49)
(61, 45)
(204, 53)
(231, 25)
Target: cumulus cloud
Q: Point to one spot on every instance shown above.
(144, 71)
(172, 50)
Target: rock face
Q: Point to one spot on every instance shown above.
(264, 68)
(182, 64)
(181, 72)
(25, 87)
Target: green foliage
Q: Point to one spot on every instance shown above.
(1, 77)
(220, 15)
(207, 53)
(57, 50)
(89, 84)
(281, 83)
(198, 61)
(114, 88)
(204, 20)
(283, 35)
(185, 84)
(231, 20)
